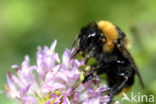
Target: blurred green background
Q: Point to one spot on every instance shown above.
(26, 24)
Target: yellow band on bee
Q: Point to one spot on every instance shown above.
(111, 33)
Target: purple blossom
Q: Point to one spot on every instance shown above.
(52, 81)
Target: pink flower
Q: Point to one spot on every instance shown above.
(52, 81)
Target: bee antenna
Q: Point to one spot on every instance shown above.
(75, 40)
(75, 52)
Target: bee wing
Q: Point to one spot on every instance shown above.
(127, 55)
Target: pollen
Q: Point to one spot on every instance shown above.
(109, 30)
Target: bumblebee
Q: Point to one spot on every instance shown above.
(107, 43)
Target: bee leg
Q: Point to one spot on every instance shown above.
(89, 54)
(89, 77)
(121, 86)
(97, 71)
(87, 58)
(117, 89)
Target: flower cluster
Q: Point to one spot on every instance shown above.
(52, 81)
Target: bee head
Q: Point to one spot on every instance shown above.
(89, 37)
